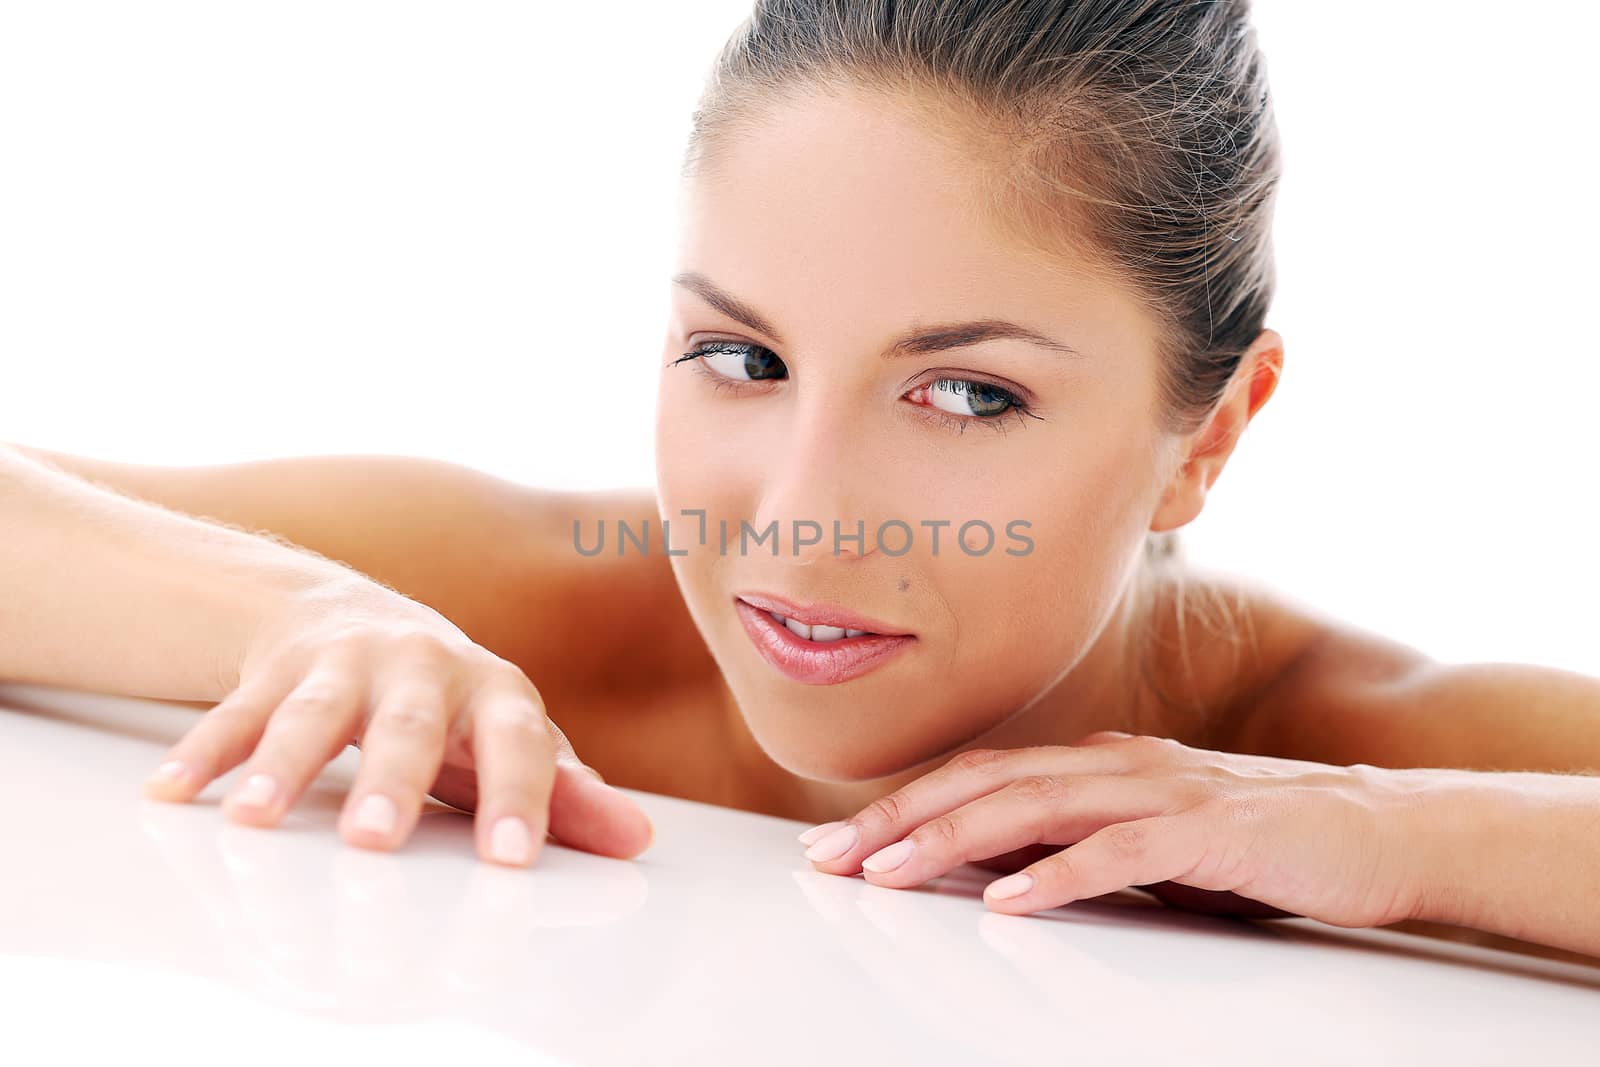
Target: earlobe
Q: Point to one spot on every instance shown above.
(1182, 501)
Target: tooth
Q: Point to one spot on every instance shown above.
(814, 633)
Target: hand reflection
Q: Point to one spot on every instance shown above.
(341, 930)
(1086, 975)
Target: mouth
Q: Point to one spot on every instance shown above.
(819, 621)
(817, 644)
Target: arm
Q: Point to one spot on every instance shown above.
(1347, 696)
(1513, 853)
(300, 654)
(1506, 758)
(112, 594)
(493, 557)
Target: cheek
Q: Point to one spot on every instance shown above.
(679, 438)
(1036, 612)
(702, 457)
(688, 452)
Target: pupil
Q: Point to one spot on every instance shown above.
(986, 394)
(756, 362)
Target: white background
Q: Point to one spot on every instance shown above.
(232, 231)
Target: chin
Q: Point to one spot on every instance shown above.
(840, 769)
(849, 745)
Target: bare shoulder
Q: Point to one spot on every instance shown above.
(1308, 684)
(607, 623)
(1262, 671)
(1287, 679)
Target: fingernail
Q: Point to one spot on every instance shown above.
(1012, 885)
(833, 845)
(510, 841)
(887, 859)
(816, 832)
(376, 814)
(257, 791)
(172, 771)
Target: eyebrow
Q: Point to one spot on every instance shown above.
(930, 339)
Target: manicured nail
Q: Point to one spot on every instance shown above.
(377, 814)
(833, 845)
(816, 832)
(257, 792)
(510, 841)
(887, 859)
(172, 771)
(1012, 885)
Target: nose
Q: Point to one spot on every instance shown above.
(815, 487)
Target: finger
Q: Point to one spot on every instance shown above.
(1147, 746)
(1048, 809)
(312, 725)
(964, 778)
(587, 814)
(514, 752)
(456, 785)
(402, 748)
(1123, 854)
(1103, 737)
(220, 741)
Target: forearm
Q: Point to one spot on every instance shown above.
(102, 592)
(1510, 852)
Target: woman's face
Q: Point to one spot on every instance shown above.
(814, 244)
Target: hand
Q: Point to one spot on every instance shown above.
(433, 713)
(1218, 832)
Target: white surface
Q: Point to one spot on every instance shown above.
(129, 924)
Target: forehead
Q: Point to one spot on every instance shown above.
(835, 206)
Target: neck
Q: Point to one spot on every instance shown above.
(1103, 691)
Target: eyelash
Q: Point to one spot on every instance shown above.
(959, 423)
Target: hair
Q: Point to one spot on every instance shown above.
(1136, 133)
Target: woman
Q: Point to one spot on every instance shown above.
(905, 225)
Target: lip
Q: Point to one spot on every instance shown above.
(817, 662)
(821, 614)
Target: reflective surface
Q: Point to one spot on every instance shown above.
(131, 923)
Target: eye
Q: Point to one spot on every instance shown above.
(961, 402)
(954, 403)
(738, 360)
(969, 398)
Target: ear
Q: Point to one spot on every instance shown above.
(1208, 448)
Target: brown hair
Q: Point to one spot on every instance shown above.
(1137, 132)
